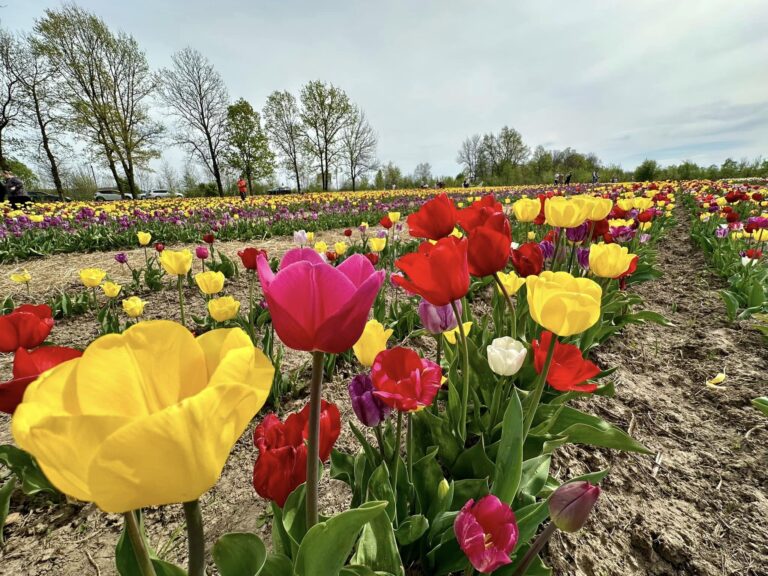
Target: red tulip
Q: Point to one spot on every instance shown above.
(27, 366)
(404, 380)
(434, 220)
(478, 212)
(437, 272)
(753, 253)
(528, 259)
(373, 258)
(26, 327)
(209, 238)
(282, 462)
(331, 256)
(645, 216)
(348, 232)
(489, 245)
(249, 257)
(487, 533)
(386, 222)
(569, 371)
(159, 246)
(316, 306)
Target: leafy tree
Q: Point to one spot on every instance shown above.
(282, 121)
(647, 171)
(195, 92)
(247, 146)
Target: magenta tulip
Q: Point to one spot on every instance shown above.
(487, 533)
(571, 504)
(315, 306)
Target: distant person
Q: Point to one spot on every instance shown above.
(242, 187)
(614, 179)
(567, 178)
(557, 178)
(466, 183)
(595, 177)
(17, 196)
(3, 190)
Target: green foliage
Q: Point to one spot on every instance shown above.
(247, 146)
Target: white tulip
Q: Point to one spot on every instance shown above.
(506, 356)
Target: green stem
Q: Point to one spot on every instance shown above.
(465, 373)
(380, 439)
(396, 454)
(510, 304)
(195, 538)
(539, 389)
(250, 296)
(139, 545)
(535, 548)
(409, 447)
(179, 283)
(313, 442)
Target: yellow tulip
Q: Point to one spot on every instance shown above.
(371, 342)
(642, 203)
(92, 277)
(340, 248)
(595, 208)
(531, 235)
(394, 216)
(210, 282)
(511, 282)
(563, 212)
(609, 260)
(563, 304)
(625, 204)
(176, 262)
(364, 225)
(143, 418)
(111, 290)
(22, 277)
(321, 247)
(133, 306)
(526, 209)
(451, 335)
(760, 235)
(310, 237)
(144, 238)
(223, 309)
(377, 244)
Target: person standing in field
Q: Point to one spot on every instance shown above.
(567, 178)
(595, 177)
(242, 187)
(17, 196)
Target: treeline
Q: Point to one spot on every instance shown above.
(76, 93)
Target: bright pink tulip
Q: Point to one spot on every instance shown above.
(316, 306)
(487, 533)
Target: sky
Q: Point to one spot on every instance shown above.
(669, 80)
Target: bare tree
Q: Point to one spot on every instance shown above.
(168, 177)
(42, 101)
(422, 174)
(469, 155)
(196, 94)
(283, 125)
(108, 84)
(358, 142)
(10, 106)
(325, 113)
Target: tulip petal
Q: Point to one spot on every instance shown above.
(301, 255)
(217, 343)
(357, 268)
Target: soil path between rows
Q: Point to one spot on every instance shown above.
(700, 506)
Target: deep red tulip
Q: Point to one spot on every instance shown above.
(281, 465)
(601, 227)
(487, 533)
(434, 220)
(348, 232)
(373, 258)
(209, 238)
(437, 272)
(477, 213)
(569, 371)
(404, 380)
(386, 222)
(27, 366)
(489, 245)
(26, 327)
(753, 253)
(732, 217)
(316, 306)
(331, 256)
(645, 216)
(528, 259)
(159, 246)
(249, 257)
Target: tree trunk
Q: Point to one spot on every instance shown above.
(248, 177)
(353, 182)
(298, 178)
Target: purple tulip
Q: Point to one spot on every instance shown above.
(438, 319)
(570, 505)
(721, 232)
(369, 409)
(121, 258)
(547, 248)
(577, 234)
(582, 255)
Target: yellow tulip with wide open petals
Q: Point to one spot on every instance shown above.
(22, 277)
(563, 304)
(144, 418)
(511, 282)
(372, 341)
(92, 277)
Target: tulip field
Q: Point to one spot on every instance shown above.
(520, 380)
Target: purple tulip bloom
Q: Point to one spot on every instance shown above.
(438, 319)
(121, 258)
(547, 249)
(582, 255)
(577, 234)
(369, 409)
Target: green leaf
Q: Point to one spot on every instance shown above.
(239, 554)
(294, 517)
(473, 463)
(761, 404)
(377, 548)
(463, 490)
(645, 316)
(26, 470)
(509, 461)
(432, 490)
(343, 467)
(328, 544)
(411, 529)
(277, 565)
(580, 428)
(380, 488)
(125, 557)
(731, 303)
(528, 520)
(5, 503)
(534, 475)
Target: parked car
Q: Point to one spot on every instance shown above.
(160, 194)
(46, 197)
(279, 190)
(111, 194)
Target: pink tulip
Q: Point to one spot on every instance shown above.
(487, 533)
(317, 307)
(202, 252)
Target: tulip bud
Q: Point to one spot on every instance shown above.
(438, 319)
(202, 252)
(369, 409)
(570, 505)
(506, 356)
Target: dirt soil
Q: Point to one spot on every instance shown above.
(699, 507)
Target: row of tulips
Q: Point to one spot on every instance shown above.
(453, 472)
(730, 224)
